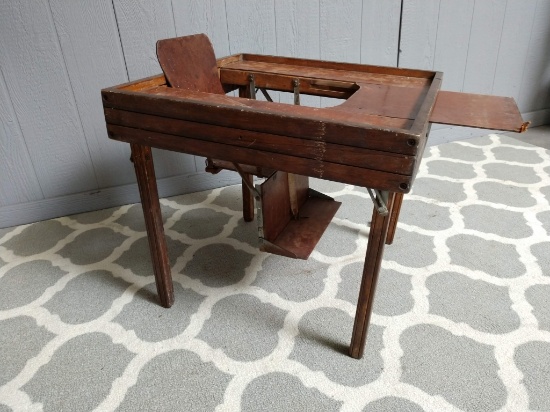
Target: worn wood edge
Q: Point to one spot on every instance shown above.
(328, 64)
(336, 115)
(371, 270)
(351, 133)
(420, 124)
(140, 84)
(324, 74)
(142, 157)
(307, 148)
(511, 122)
(307, 167)
(228, 59)
(284, 83)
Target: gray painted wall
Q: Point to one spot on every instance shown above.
(56, 55)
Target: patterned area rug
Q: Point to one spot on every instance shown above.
(461, 317)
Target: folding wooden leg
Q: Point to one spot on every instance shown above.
(373, 260)
(394, 217)
(248, 198)
(147, 183)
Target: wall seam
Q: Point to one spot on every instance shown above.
(227, 27)
(499, 45)
(22, 134)
(521, 91)
(361, 33)
(120, 40)
(52, 21)
(436, 33)
(399, 34)
(468, 51)
(173, 18)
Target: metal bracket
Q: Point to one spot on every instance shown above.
(296, 86)
(251, 87)
(245, 181)
(380, 201)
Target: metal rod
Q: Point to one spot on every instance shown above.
(245, 181)
(379, 201)
(296, 84)
(266, 94)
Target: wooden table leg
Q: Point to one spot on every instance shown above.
(394, 217)
(373, 260)
(147, 183)
(248, 198)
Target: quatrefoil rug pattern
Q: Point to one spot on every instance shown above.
(461, 318)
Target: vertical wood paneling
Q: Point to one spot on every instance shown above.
(141, 23)
(340, 23)
(41, 94)
(535, 86)
(452, 41)
(298, 36)
(488, 17)
(251, 26)
(340, 34)
(203, 16)
(91, 66)
(516, 32)
(18, 179)
(380, 32)
(298, 28)
(419, 34)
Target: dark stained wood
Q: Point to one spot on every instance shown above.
(375, 139)
(386, 100)
(242, 155)
(394, 217)
(312, 149)
(147, 183)
(326, 114)
(476, 110)
(421, 121)
(311, 86)
(142, 84)
(248, 198)
(286, 233)
(298, 189)
(324, 73)
(300, 236)
(275, 201)
(373, 260)
(275, 118)
(189, 63)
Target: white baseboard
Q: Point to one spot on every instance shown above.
(34, 211)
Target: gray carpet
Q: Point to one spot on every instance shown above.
(461, 317)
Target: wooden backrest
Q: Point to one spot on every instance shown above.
(189, 62)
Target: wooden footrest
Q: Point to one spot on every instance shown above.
(291, 216)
